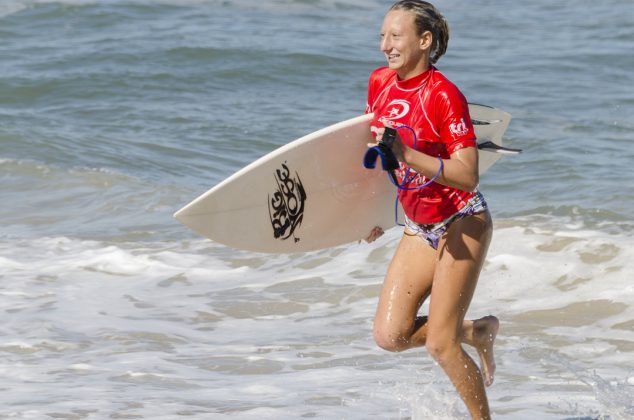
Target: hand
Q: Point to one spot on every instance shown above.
(375, 234)
(398, 148)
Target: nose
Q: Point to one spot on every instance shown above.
(386, 45)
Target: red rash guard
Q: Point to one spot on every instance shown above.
(438, 112)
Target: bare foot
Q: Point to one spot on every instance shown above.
(484, 332)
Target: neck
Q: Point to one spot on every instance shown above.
(414, 82)
(420, 68)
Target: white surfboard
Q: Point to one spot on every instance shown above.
(314, 192)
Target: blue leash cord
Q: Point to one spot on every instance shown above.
(389, 164)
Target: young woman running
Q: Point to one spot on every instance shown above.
(447, 225)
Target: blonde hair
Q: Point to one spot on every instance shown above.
(428, 18)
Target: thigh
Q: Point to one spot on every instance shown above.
(407, 284)
(462, 252)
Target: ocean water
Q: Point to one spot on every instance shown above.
(115, 113)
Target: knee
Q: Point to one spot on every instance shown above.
(443, 349)
(393, 341)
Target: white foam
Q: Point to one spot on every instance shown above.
(200, 316)
(18, 344)
(81, 366)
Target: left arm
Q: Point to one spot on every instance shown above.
(460, 171)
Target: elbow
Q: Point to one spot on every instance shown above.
(471, 183)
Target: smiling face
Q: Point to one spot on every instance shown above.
(406, 51)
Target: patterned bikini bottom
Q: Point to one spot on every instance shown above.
(433, 232)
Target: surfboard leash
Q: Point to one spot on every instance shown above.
(390, 164)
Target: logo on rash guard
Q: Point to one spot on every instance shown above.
(459, 128)
(396, 109)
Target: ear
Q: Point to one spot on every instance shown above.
(426, 40)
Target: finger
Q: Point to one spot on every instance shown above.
(376, 233)
(379, 134)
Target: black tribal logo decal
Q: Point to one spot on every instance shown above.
(286, 207)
